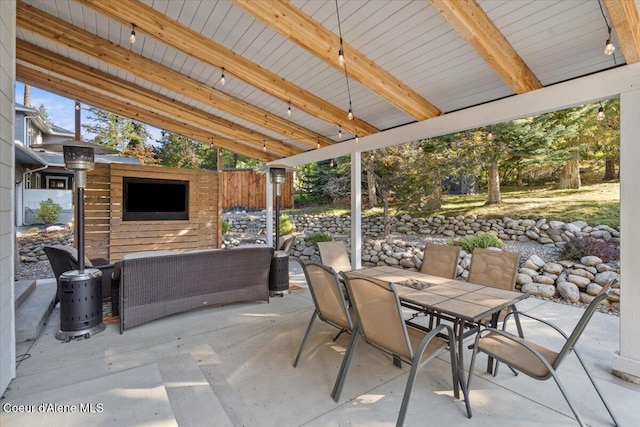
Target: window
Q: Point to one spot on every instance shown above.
(57, 182)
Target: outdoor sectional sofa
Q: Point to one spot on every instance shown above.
(153, 285)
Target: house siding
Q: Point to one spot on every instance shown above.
(19, 125)
(7, 232)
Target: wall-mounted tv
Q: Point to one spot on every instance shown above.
(149, 199)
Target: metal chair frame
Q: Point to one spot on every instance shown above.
(317, 312)
(551, 367)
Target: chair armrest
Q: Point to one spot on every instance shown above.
(99, 262)
(537, 319)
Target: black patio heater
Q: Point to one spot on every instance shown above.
(81, 289)
(279, 272)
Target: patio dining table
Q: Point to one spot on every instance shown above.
(465, 304)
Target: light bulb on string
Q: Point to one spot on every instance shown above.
(289, 110)
(264, 146)
(609, 48)
(600, 116)
(341, 55)
(318, 146)
(350, 113)
(132, 37)
(339, 132)
(357, 139)
(222, 79)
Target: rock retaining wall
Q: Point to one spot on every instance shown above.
(572, 281)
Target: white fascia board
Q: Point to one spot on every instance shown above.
(580, 91)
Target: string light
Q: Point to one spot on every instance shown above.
(289, 110)
(609, 48)
(264, 146)
(318, 142)
(222, 79)
(342, 63)
(600, 116)
(132, 37)
(339, 132)
(357, 139)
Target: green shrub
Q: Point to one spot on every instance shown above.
(286, 225)
(48, 211)
(225, 226)
(578, 247)
(314, 238)
(478, 240)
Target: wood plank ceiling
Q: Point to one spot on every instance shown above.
(406, 61)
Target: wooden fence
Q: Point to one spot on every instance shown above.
(246, 188)
(108, 236)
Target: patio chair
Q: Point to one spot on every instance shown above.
(440, 260)
(334, 254)
(534, 360)
(65, 258)
(497, 269)
(330, 304)
(381, 324)
(286, 243)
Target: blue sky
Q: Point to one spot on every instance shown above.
(61, 110)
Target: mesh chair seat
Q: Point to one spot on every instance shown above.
(436, 345)
(518, 355)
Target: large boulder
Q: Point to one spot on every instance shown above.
(538, 289)
(569, 291)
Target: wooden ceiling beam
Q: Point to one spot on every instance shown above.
(179, 36)
(311, 35)
(91, 77)
(473, 25)
(57, 30)
(624, 16)
(88, 96)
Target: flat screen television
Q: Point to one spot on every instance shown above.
(149, 199)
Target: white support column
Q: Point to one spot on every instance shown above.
(356, 209)
(269, 210)
(626, 363)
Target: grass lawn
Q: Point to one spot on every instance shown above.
(597, 204)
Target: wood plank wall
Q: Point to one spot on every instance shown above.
(247, 188)
(108, 236)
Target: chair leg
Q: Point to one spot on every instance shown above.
(615, 421)
(566, 397)
(306, 335)
(339, 333)
(346, 361)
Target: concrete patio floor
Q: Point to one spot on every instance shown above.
(232, 366)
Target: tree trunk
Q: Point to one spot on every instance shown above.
(519, 182)
(493, 184)
(609, 169)
(570, 175)
(27, 96)
(371, 183)
(386, 220)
